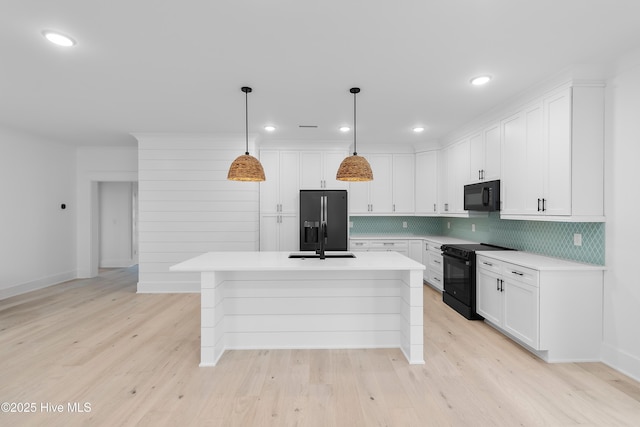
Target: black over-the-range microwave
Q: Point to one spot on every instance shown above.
(484, 196)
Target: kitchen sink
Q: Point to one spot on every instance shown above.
(303, 255)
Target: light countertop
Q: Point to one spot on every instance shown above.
(539, 262)
(280, 261)
(443, 240)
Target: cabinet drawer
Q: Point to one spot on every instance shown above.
(359, 245)
(389, 245)
(432, 246)
(489, 264)
(435, 278)
(435, 261)
(520, 274)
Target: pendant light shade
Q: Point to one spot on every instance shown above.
(354, 168)
(246, 167)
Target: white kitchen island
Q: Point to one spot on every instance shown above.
(265, 300)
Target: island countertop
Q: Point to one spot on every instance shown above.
(280, 261)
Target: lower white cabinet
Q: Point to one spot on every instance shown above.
(432, 259)
(401, 246)
(507, 296)
(554, 310)
(279, 232)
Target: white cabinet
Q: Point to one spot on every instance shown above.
(457, 160)
(279, 232)
(392, 188)
(279, 201)
(379, 245)
(318, 170)
(426, 186)
(507, 296)
(279, 193)
(403, 184)
(485, 154)
(432, 259)
(554, 309)
(552, 164)
(415, 250)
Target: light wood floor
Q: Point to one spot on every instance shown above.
(134, 359)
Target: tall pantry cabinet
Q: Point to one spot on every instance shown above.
(279, 200)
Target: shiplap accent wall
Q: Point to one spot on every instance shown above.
(188, 207)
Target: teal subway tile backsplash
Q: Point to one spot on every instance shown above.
(544, 237)
(393, 225)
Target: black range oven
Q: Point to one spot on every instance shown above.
(459, 275)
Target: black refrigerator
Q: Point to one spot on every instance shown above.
(323, 212)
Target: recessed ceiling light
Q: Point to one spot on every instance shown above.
(480, 80)
(269, 128)
(418, 129)
(345, 129)
(58, 38)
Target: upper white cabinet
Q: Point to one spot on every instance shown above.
(553, 153)
(403, 184)
(392, 188)
(455, 160)
(485, 154)
(279, 193)
(426, 186)
(318, 170)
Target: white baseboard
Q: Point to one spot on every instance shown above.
(38, 284)
(621, 361)
(116, 263)
(169, 287)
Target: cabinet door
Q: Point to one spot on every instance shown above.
(330, 165)
(269, 189)
(269, 232)
(522, 162)
(443, 184)
(359, 197)
(403, 183)
(289, 184)
(492, 153)
(426, 186)
(477, 157)
(289, 233)
(489, 296)
(310, 170)
(521, 309)
(458, 173)
(557, 180)
(380, 189)
(415, 250)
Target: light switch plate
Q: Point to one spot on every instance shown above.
(577, 239)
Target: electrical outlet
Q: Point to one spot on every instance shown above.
(350, 224)
(473, 228)
(448, 224)
(404, 224)
(577, 239)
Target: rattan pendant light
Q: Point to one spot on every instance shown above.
(354, 168)
(246, 167)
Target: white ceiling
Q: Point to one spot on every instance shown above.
(178, 65)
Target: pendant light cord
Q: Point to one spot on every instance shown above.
(355, 153)
(246, 121)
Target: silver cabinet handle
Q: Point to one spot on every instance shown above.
(518, 273)
(436, 279)
(436, 261)
(434, 207)
(487, 263)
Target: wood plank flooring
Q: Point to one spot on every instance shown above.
(133, 358)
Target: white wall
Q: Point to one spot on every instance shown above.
(187, 206)
(37, 243)
(116, 227)
(95, 165)
(621, 347)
